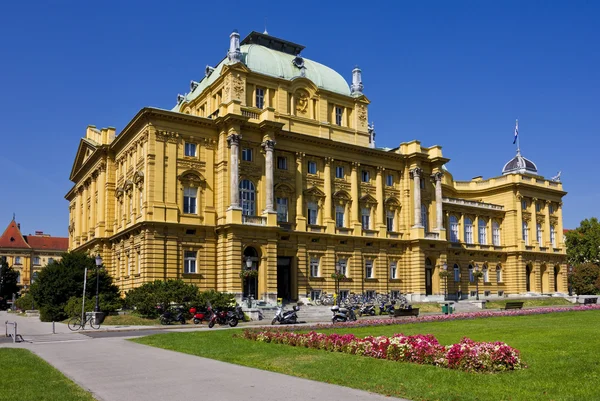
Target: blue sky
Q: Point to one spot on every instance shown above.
(455, 73)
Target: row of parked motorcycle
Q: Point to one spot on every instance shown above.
(212, 316)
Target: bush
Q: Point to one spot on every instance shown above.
(216, 299)
(25, 302)
(148, 297)
(107, 305)
(585, 279)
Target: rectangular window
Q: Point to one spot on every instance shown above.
(550, 209)
(394, 294)
(524, 204)
(389, 180)
(315, 294)
(456, 274)
(312, 167)
(338, 115)
(453, 229)
(141, 200)
(139, 263)
(247, 154)
(486, 278)
(17, 260)
(314, 267)
(496, 234)
(539, 233)
(282, 163)
(36, 260)
(189, 262)
(525, 233)
(50, 260)
(393, 270)
(482, 232)
(312, 213)
(368, 269)
(538, 207)
(366, 217)
(471, 277)
(282, 210)
(339, 172)
(498, 275)
(260, 98)
(189, 200)
(469, 233)
(389, 219)
(339, 216)
(342, 266)
(190, 149)
(344, 294)
(371, 294)
(553, 236)
(365, 176)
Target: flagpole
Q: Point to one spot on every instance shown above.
(517, 131)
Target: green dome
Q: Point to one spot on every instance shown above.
(263, 60)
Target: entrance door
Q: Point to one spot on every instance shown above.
(528, 278)
(428, 277)
(555, 278)
(284, 278)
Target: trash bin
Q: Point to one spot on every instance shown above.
(447, 309)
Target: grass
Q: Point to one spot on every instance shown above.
(26, 377)
(529, 303)
(560, 350)
(129, 320)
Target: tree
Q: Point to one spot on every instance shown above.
(59, 281)
(583, 243)
(585, 279)
(8, 283)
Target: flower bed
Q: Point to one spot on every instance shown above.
(467, 355)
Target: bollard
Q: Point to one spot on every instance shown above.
(53, 331)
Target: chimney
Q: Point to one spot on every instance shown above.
(357, 85)
(234, 55)
(39, 233)
(19, 226)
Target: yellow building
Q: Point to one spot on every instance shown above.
(269, 163)
(28, 254)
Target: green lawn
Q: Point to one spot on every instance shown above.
(25, 377)
(560, 350)
(129, 320)
(527, 303)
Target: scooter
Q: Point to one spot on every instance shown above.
(169, 317)
(199, 316)
(367, 309)
(286, 317)
(223, 318)
(386, 309)
(343, 314)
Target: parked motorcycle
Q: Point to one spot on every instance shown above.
(199, 316)
(169, 316)
(343, 314)
(367, 309)
(286, 317)
(386, 309)
(223, 318)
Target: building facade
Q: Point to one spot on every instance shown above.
(28, 254)
(269, 164)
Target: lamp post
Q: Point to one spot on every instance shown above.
(98, 266)
(337, 284)
(570, 280)
(247, 280)
(445, 270)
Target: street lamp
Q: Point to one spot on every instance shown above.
(570, 280)
(98, 266)
(247, 280)
(476, 275)
(445, 270)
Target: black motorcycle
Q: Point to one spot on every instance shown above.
(367, 309)
(343, 314)
(286, 317)
(169, 316)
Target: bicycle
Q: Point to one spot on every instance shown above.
(75, 323)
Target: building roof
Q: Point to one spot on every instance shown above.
(519, 164)
(40, 243)
(12, 238)
(268, 55)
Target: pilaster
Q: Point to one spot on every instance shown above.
(300, 218)
(327, 207)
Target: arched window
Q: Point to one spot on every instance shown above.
(498, 273)
(424, 219)
(453, 229)
(471, 278)
(456, 273)
(486, 278)
(496, 233)
(248, 198)
(482, 231)
(468, 230)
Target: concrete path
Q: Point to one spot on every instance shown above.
(114, 369)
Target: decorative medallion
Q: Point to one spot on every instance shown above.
(301, 101)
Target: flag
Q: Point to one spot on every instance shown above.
(516, 132)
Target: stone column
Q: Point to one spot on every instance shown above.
(84, 222)
(379, 194)
(93, 211)
(269, 146)
(233, 140)
(519, 219)
(327, 220)
(300, 219)
(547, 230)
(416, 175)
(78, 215)
(355, 196)
(439, 214)
(101, 212)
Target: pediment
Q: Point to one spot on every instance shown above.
(368, 198)
(342, 195)
(85, 150)
(284, 188)
(314, 191)
(392, 201)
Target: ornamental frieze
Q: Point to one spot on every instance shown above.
(314, 182)
(341, 186)
(191, 164)
(284, 176)
(166, 136)
(251, 170)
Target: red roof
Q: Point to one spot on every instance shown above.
(49, 243)
(12, 238)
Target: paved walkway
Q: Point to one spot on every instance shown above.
(114, 369)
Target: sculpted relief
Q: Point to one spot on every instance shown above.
(302, 100)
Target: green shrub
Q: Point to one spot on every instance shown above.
(216, 299)
(107, 305)
(25, 302)
(146, 298)
(586, 279)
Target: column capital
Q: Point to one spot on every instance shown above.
(234, 139)
(328, 160)
(380, 169)
(268, 145)
(416, 172)
(355, 165)
(300, 156)
(437, 176)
